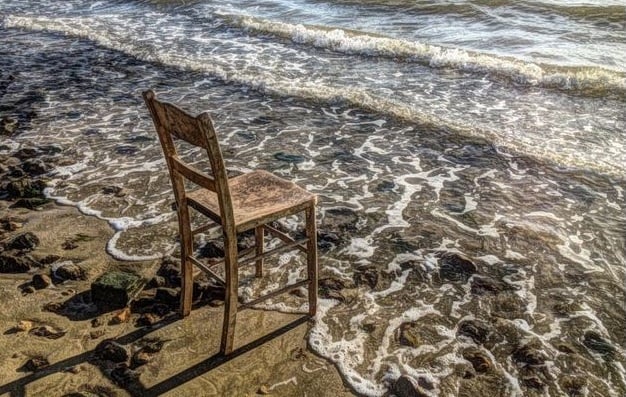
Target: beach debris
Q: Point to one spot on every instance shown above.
(454, 267)
(405, 386)
(36, 363)
(41, 281)
(111, 351)
(264, 389)
(46, 331)
(476, 330)
(122, 316)
(114, 290)
(68, 270)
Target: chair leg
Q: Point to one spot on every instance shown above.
(311, 232)
(258, 234)
(186, 269)
(230, 300)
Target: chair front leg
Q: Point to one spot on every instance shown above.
(312, 271)
(230, 300)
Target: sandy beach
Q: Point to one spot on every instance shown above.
(55, 354)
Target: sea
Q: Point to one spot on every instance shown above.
(469, 158)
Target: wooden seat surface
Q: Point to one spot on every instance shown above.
(257, 197)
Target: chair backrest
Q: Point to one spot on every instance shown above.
(171, 121)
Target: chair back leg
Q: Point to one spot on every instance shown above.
(259, 241)
(230, 300)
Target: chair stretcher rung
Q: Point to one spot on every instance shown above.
(204, 228)
(207, 270)
(282, 236)
(274, 293)
(278, 250)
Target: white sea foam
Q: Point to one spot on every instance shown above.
(353, 42)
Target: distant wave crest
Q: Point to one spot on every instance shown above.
(591, 80)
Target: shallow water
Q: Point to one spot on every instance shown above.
(491, 131)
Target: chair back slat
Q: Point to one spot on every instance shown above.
(169, 120)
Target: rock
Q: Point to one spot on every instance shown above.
(476, 330)
(156, 282)
(97, 333)
(366, 275)
(594, 341)
(127, 150)
(327, 240)
(207, 289)
(529, 355)
(123, 316)
(97, 322)
(115, 289)
(385, 186)
(8, 126)
(34, 167)
(10, 262)
(46, 331)
(289, 158)
(125, 377)
(212, 249)
(30, 203)
(24, 242)
(533, 382)
(332, 288)
(409, 335)
(485, 285)
(153, 345)
(36, 363)
(139, 358)
(111, 351)
(26, 188)
(406, 386)
(264, 389)
(170, 269)
(148, 319)
(54, 307)
(117, 191)
(70, 271)
(454, 267)
(10, 225)
(41, 281)
(340, 219)
(479, 361)
(168, 296)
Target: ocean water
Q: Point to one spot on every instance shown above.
(493, 131)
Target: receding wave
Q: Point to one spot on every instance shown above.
(268, 83)
(591, 80)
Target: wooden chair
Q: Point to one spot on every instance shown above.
(249, 201)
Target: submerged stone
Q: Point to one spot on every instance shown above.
(113, 290)
(289, 158)
(476, 330)
(25, 242)
(597, 343)
(111, 351)
(454, 267)
(406, 386)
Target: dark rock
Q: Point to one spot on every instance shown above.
(332, 288)
(11, 262)
(117, 191)
(98, 333)
(289, 158)
(406, 386)
(148, 319)
(54, 307)
(34, 167)
(479, 361)
(168, 296)
(26, 153)
(529, 355)
(207, 289)
(41, 281)
(340, 219)
(113, 290)
(212, 249)
(533, 382)
(26, 188)
(139, 358)
(156, 282)
(30, 203)
(28, 290)
(153, 345)
(24, 242)
(111, 351)
(385, 186)
(594, 341)
(70, 271)
(454, 267)
(36, 363)
(48, 259)
(485, 285)
(46, 331)
(327, 240)
(126, 150)
(124, 376)
(366, 275)
(8, 126)
(476, 330)
(170, 269)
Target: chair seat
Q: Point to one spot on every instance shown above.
(258, 197)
